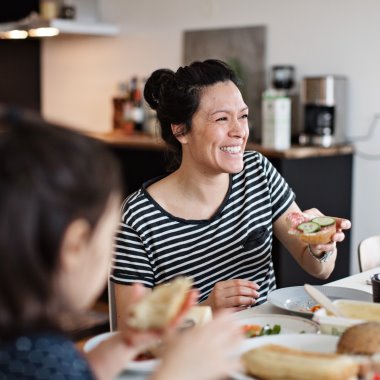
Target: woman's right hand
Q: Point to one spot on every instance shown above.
(236, 294)
(204, 352)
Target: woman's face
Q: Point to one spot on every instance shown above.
(219, 131)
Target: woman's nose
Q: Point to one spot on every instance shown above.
(238, 128)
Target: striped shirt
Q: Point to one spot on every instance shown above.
(153, 246)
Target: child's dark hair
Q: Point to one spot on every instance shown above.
(49, 177)
(176, 95)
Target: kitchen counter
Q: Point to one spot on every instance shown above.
(119, 138)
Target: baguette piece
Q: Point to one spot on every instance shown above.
(277, 362)
(160, 307)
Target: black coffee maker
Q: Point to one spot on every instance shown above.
(324, 110)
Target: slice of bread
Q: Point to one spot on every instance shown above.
(322, 236)
(276, 362)
(160, 307)
(199, 315)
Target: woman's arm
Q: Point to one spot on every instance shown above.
(125, 296)
(301, 252)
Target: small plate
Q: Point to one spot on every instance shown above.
(306, 342)
(133, 365)
(295, 299)
(289, 324)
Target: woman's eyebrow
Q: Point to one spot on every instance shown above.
(223, 110)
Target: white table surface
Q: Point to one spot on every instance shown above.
(356, 281)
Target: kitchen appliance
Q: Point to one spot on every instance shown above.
(279, 106)
(283, 77)
(324, 110)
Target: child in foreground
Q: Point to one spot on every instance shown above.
(60, 195)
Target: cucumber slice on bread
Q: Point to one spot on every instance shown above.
(309, 227)
(324, 221)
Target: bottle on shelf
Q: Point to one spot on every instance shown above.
(137, 104)
(119, 102)
(48, 9)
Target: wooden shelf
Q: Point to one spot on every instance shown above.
(120, 138)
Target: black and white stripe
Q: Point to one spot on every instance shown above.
(153, 246)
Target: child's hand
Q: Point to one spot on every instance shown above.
(142, 339)
(203, 353)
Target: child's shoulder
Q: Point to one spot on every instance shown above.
(48, 353)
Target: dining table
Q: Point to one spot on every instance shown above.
(358, 281)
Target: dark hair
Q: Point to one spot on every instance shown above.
(176, 96)
(49, 177)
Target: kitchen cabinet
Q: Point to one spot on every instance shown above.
(20, 63)
(324, 182)
(73, 27)
(320, 177)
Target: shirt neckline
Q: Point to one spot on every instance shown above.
(182, 220)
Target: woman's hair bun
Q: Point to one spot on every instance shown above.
(154, 84)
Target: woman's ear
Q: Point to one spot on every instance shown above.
(74, 244)
(179, 133)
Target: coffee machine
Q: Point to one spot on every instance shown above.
(323, 101)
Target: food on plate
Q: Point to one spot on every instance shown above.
(147, 355)
(161, 307)
(251, 331)
(310, 309)
(360, 339)
(315, 308)
(366, 311)
(198, 315)
(311, 229)
(276, 362)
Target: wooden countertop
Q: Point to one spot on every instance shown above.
(141, 141)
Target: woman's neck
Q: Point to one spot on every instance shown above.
(190, 195)
(202, 187)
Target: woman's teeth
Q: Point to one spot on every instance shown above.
(230, 149)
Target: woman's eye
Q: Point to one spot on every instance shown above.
(245, 116)
(222, 119)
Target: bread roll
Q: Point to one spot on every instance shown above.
(160, 307)
(361, 339)
(276, 362)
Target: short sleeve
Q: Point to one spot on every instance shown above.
(131, 262)
(281, 195)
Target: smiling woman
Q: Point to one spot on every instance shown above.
(213, 217)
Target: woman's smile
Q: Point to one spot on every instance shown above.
(231, 149)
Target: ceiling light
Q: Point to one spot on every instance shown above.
(32, 26)
(14, 34)
(43, 32)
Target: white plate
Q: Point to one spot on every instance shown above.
(306, 342)
(295, 299)
(289, 324)
(137, 366)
